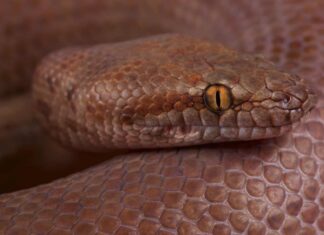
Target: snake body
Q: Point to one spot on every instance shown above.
(148, 93)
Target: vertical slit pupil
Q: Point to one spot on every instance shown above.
(218, 99)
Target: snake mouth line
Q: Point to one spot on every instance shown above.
(137, 126)
(210, 133)
(291, 116)
(153, 137)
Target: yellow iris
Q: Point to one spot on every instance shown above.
(217, 98)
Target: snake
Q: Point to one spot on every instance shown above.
(221, 101)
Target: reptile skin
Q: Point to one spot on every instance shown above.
(259, 187)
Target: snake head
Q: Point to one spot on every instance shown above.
(164, 91)
(264, 101)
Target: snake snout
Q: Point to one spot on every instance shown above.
(299, 96)
(290, 94)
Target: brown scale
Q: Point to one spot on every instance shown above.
(267, 187)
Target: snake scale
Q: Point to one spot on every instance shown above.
(179, 89)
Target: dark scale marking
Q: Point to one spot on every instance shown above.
(71, 124)
(69, 93)
(50, 84)
(44, 108)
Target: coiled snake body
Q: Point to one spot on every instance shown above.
(172, 90)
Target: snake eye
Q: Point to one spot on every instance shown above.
(217, 98)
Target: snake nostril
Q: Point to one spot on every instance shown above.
(280, 96)
(286, 99)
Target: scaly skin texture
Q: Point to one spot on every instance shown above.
(148, 93)
(263, 187)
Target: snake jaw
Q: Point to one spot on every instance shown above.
(155, 98)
